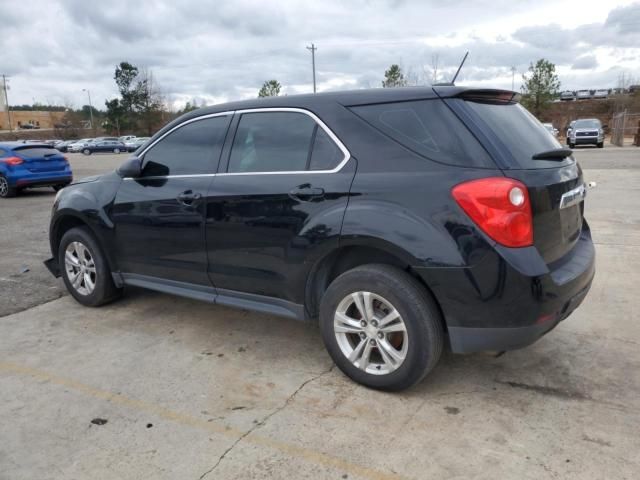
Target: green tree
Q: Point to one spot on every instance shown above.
(393, 77)
(541, 86)
(270, 88)
(115, 116)
(125, 77)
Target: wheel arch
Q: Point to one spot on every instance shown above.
(64, 222)
(347, 257)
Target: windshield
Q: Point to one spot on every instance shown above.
(587, 124)
(521, 134)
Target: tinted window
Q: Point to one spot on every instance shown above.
(520, 133)
(428, 128)
(192, 149)
(271, 142)
(325, 154)
(36, 152)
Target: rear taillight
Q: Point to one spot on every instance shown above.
(500, 207)
(12, 161)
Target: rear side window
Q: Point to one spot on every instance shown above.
(325, 154)
(36, 152)
(428, 128)
(521, 134)
(272, 142)
(190, 150)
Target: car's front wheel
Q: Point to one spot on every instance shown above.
(381, 327)
(6, 190)
(116, 150)
(600, 145)
(86, 151)
(84, 268)
(572, 145)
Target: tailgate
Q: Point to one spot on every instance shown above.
(557, 204)
(41, 159)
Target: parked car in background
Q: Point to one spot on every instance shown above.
(586, 131)
(390, 216)
(78, 145)
(601, 93)
(568, 95)
(62, 146)
(127, 138)
(583, 94)
(136, 143)
(106, 139)
(27, 165)
(104, 146)
(550, 128)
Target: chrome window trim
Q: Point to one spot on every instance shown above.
(320, 123)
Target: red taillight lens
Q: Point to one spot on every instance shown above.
(12, 161)
(500, 207)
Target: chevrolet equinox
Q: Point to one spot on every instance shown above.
(399, 219)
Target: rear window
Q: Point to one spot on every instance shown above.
(521, 134)
(36, 152)
(428, 128)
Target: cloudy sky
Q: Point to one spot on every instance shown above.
(222, 50)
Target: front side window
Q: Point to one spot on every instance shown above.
(190, 150)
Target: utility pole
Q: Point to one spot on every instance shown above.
(6, 100)
(513, 78)
(313, 49)
(90, 109)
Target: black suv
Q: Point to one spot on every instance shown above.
(400, 219)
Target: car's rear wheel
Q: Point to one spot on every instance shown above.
(116, 150)
(381, 327)
(84, 268)
(6, 190)
(57, 188)
(86, 151)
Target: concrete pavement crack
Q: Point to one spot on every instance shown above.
(265, 419)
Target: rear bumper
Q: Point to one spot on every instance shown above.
(507, 302)
(41, 179)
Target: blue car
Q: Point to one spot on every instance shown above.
(26, 165)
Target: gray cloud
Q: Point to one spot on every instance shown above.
(585, 62)
(225, 50)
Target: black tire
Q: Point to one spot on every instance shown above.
(116, 150)
(415, 305)
(572, 145)
(6, 191)
(57, 188)
(86, 151)
(105, 290)
(600, 144)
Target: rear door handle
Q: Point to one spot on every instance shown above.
(306, 193)
(188, 197)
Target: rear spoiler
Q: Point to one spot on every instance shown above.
(490, 96)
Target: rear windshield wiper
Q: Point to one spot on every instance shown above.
(558, 154)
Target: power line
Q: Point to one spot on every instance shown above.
(313, 49)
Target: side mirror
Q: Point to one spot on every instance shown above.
(132, 168)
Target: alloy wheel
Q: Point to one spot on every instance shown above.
(371, 333)
(80, 268)
(4, 187)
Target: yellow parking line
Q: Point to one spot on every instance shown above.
(184, 419)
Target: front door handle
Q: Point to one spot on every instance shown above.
(306, 193)
(188, 197)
